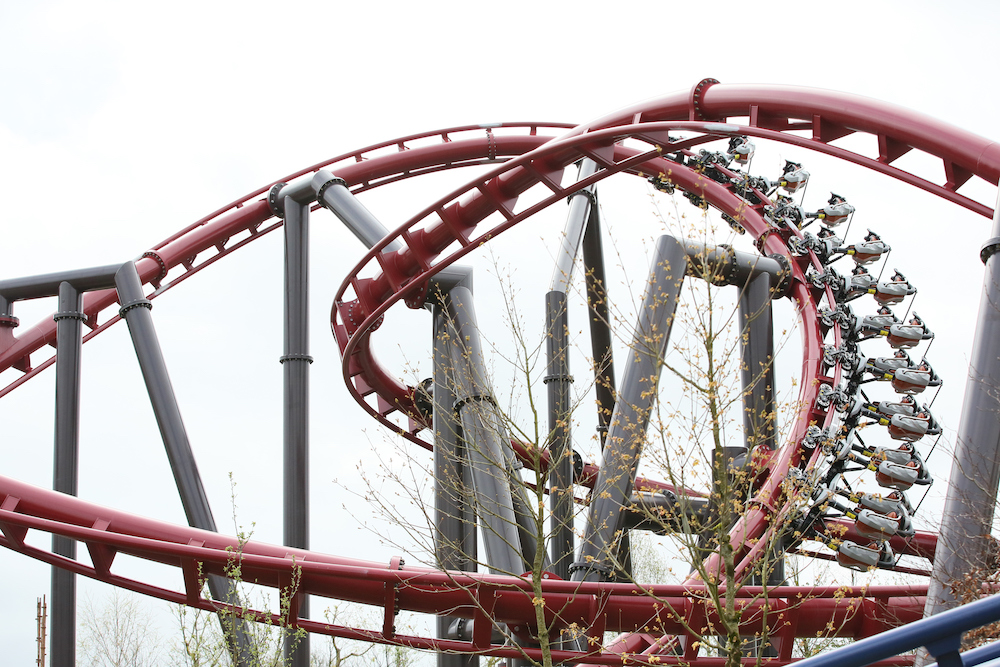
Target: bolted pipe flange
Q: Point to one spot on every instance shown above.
(694, 100)
(69, 315)
(159, 260)
(989, 249)
(785, 280)
(9, 321)
(139, 303)
(295, 357)
(274, 200)
(322, 189)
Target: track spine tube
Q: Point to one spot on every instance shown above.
(631, 414)
(295, 382)
(69, 347)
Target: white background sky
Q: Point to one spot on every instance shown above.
(121, 123)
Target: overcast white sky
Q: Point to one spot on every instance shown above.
(123, 122)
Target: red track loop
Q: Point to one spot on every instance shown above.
(463, 218)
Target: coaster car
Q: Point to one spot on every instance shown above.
(902, 454)
(883, 368)
(869, 250)
(853, 556)
(884, 504)
(905, 406)
(901, 476)
(912, 427)
(794, 177)
(910, 334)
(894, 290)
(877, 526)
(914, 380)
(836, 210)
(861, 283)
(874, 325)
(741, 149)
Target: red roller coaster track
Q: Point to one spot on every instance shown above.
(526, 154)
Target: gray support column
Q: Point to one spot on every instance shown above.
(490, 458)
(452, 529)
(631, 413)
(757, 348)
(557, 382)
(600, 322)
(757, 376)
(135, 310)
(69, 342)
(965, 541)
(295, 372)
(332, 192)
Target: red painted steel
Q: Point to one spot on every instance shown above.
(528, 159)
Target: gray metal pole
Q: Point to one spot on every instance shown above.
(451, 528)
(332, 192)
(600, 322)
(965, 542)
(487, 446)
(295, 370)
(69, 342)
(757, 376)
(757, 350)
(558, 380)
(135, 310)
(631, 414)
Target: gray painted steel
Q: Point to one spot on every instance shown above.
(334, 195)
(757, 356)
(490, 458)
(631, 414)
(965, 542)
(69, 343)
(135, 310)
(558, 387)
(454, 534)
(722, 265)
(35, 287)
(580, 204)
(600, 322)
(295, 410)
(558, 380)
(757, 379)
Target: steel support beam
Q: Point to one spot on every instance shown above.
(295, 411)
(632, 411)
(757, 359)
(332, 192)
(757, 381)
(600, 322)
(491, 459)
(69, 319)
(965, 542)
(454, 534)
(558, 381)
(136, 311)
